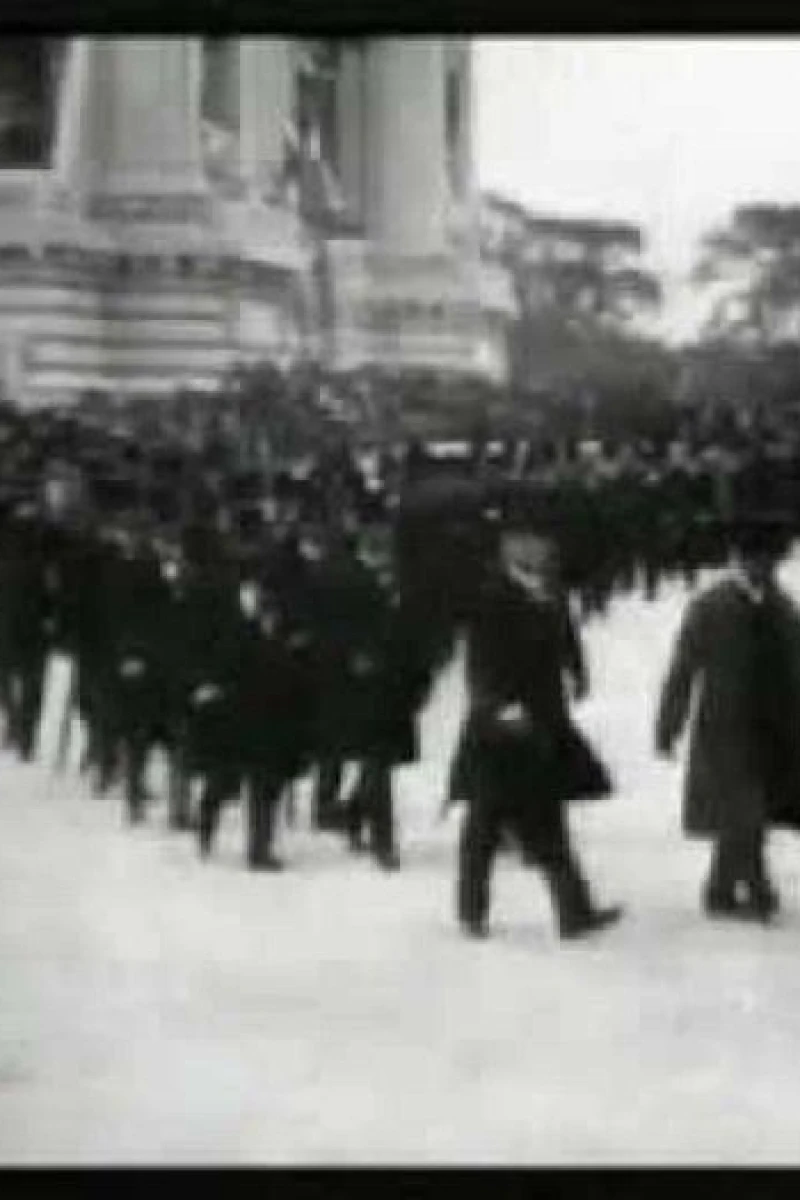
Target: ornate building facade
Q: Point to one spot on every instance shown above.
(170, 207)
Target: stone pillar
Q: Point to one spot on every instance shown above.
(407, 188)
(468, 201)
(71, 108)
(219, 72)
(352, 126)
(142, 131)
(265, 107)
(464, 148)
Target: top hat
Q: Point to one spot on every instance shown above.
(762, 533)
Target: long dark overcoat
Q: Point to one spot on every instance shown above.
(373, 663)
(518, 650)
(137, 598)
(272, 706)
(731, 783)
(404, 666)
(347, 623)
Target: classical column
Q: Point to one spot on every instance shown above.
(351, 126)
(265, 108)
(71, 108)
(142, 130)
(467, 198)
(463, 150)
(407, 187)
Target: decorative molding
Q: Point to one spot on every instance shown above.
(18, 195)
(59, 197)
(16, 254)
(155, 207)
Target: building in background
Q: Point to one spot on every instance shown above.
(172, 207)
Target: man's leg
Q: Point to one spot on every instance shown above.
(545, 838)
(218, 786)
(356, 812)
(6, 692)
(763, 901)
(330, 771)
(31, 703)
(13, 738)
(107, 728)
(178, 788)
(480, 836)
(263, 795)
(135, 752)
(381, 815)
(719, 892)
(88, 708)
(108, 755)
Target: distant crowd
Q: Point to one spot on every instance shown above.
(183, 551)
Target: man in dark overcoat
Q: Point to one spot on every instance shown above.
(525, 757)
(395, 666)
(274, 708)
(737, 660)
(254, 721)
(31, 582)
(205, 602)
(345, 608)
(96, 626)
(138, 600)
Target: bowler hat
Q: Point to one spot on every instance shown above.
(765, 532)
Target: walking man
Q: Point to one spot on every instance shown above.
(737, 659)
(523, 757)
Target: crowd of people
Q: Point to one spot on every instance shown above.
(261, 604)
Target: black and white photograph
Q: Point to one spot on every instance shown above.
(399, 600)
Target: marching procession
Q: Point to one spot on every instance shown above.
(262, 618)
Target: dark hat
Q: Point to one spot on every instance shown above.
(372, 509)
(22, 487)
(165, 504)
(249, 519)
(167, 462)
(201, 543)
(114, 493)
(769, 533)
(246, 486)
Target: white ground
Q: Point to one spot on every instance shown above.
(157, 1010)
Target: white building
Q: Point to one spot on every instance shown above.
(170, 207)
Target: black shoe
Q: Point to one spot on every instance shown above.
(355, 841)
(720, 904)
(388, 862)
(105, 782)
(591, 922)
(763, 903)
(204, 842)
(475, 927)
(268, 863)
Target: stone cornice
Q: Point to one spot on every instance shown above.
(151, 208)
(102, 262)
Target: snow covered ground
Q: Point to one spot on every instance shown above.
(154, 1009)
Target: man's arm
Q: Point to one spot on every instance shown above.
(676, 692)
(574, 657)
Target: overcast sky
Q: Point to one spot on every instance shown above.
(670, 132)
